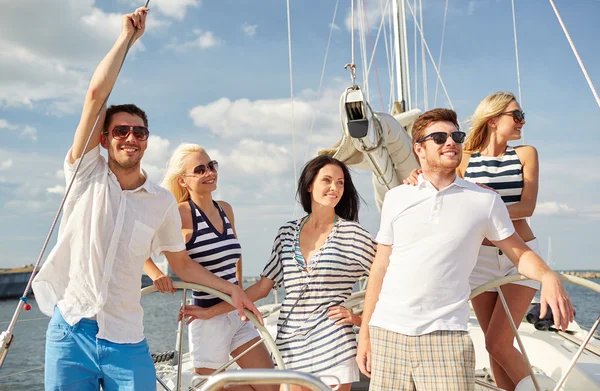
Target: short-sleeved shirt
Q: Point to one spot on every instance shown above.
(307, 340)
(105, 236)
(435, 237)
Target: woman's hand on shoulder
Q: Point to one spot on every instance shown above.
(343, 315)
(413, 178)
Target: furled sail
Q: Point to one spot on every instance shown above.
(373, 141)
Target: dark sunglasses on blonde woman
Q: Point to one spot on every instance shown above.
(440, 137)
(518, 115)
(201, 169)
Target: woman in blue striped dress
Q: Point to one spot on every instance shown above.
(209, 232)
(318, 259)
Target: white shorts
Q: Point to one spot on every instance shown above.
(211, 341)
(492, 264)
(346, 372)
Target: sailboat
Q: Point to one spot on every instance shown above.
(379, 142)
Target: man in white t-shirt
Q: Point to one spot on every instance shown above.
(114, 219)
(416, 304)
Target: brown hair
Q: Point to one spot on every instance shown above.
(431, 117)
(126, 108)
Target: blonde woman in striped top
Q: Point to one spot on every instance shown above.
(513, 172)
(209, 231)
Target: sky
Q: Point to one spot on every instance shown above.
(217, 73)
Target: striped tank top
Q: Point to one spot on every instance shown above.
(217, 251)
(502, 173)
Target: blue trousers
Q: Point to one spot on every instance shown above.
(78, 361)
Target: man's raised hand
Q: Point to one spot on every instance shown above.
(135, 21)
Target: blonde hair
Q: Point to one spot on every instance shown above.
(175, 168)
(492, 106)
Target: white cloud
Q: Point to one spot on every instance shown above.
(5, 165)
(255, 157)
(23, 131)
(374, 14)
(156, 156)
(52, 69)
(334, 26)
(272, 117)
(249, 29)
(203, 40)
(174, 8)
(552, 208)
(60, 174)
(58, 189)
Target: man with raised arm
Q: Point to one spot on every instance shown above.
(416, 304)
(114, 219)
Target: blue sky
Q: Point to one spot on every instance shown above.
(216, 73)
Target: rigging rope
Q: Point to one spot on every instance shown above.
(289, 33)
(390, 57)
(585, 73)
(437, 82)
(363, 50)
(13, 321)
(416, 59)
(312, 124)
(423, 59)
(430, 56)
(517, 60)
(373, 54)
(383, 15)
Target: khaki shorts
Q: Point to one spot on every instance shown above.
(439, 361)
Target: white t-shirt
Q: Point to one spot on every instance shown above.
(105, 236)
(435, 237)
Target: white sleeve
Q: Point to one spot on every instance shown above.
(168, 236)
(386, 229)
(499, 226)
(90, 161)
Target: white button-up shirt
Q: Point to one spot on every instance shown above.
(435, 237)
(106, 235)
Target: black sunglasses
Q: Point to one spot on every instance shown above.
(441, 137)
(213, 166)
(518, 115)
(122, 131)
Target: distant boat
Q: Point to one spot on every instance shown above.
(13, 281)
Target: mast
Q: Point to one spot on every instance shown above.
(401, 55)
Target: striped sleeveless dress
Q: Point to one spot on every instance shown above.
(217, 251)
(502, 173)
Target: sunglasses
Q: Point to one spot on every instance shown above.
(518, 115)
(122, 131)
(440, 137)
(201, 169)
